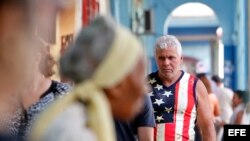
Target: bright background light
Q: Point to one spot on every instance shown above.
(193, 9)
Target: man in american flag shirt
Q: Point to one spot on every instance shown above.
(179, 99)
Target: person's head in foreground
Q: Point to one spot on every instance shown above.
(113, 55)
(106, 61)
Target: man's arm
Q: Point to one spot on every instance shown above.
(217, 111)
(145, 133)
(239, 117)
(145, 122)
(204, 113)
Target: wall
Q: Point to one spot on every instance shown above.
(66, 24)
(121, 11)
(230, 67)
(240, 35)
(232, 18)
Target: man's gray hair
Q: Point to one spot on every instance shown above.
(88, 51)
(168, 41)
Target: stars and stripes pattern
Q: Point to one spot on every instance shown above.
(174, 107)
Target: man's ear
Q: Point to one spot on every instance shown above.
(114, 92)
(181, 59)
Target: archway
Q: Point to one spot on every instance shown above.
(200, 34)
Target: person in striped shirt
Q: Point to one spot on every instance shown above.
(179, 99)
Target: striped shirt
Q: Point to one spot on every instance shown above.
(174, 107)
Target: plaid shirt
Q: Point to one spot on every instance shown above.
(56, 90)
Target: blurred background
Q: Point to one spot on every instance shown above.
(214, 33)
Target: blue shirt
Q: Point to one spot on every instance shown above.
(127, 131)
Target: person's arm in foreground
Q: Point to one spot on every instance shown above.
(145, 134)
(205, 120)
(146, 122)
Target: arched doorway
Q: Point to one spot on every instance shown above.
(200, 34)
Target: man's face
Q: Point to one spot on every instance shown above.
(130, 94)
(236, 100)
(16, 49)
(168, 62)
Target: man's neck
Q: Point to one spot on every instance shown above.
(9, 104)
(40, 86)
(170, 81)
(10, 99)
(221, 85)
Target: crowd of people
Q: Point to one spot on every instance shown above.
(111, 98)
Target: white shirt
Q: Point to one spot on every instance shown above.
(237, 109)
(246, 115)
(225, 96)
